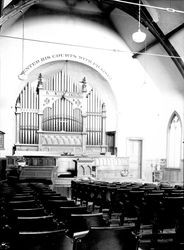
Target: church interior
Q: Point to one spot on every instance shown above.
(91, 124)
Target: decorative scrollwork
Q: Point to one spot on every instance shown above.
(124, 172)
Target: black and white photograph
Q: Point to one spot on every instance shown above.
(91, 125)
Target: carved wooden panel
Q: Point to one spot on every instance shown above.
(60, 139)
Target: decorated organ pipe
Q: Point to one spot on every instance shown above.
(61, 101)
(94, 116)
(28, 110)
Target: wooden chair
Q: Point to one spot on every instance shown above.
(132, 208)
(110, 198)
(53, 197)
(165, 227)
(8, 230)
(53, 205)
(107, 238)
(22, 197)
(170, 210)
(44, 240)
(63, 214)
(29, 212)
(150, 208)
(83, 222)
(23, 204)
(39, 223)
(179, 240)
(45, 195)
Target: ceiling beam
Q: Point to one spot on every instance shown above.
(1, 7)
(132, 10)
(147, 21)
(164, 41)
(12, 10)
(174, 31)
(155, 42)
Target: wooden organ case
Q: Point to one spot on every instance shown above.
(60, 116)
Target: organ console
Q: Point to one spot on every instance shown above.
(60, 115)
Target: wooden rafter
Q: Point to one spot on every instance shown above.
(168, 35)
(132, 10)
(147, 21)
(163, 40)
(1, 7)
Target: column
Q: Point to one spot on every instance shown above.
(84, 115)
(17, 114)
(40, 108)
(103, 148)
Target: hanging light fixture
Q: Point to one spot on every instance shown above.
(139, 36)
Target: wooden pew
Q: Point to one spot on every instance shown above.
(107, 238)
(29, 212)
(83, 222)
(39, 223)
(44, 240)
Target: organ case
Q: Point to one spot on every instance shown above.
(60, 115)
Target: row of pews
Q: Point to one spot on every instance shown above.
(99, 215)
(27, 221)
(34, 217)
(155, 211)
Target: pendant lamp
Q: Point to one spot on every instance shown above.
(139, 36)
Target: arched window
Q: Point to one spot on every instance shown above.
(174, 141)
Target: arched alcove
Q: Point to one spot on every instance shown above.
(174, 141)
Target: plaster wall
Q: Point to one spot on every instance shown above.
(137, 107)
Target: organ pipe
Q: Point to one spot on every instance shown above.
(63, 114)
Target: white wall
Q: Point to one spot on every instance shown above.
(137, 107)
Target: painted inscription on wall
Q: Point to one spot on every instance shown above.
(64, 56)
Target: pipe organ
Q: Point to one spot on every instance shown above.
(94, 119)
(60, 115)
(27, 105)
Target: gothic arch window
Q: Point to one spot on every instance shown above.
(81, 170)
(88, 170)
(174, 141)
